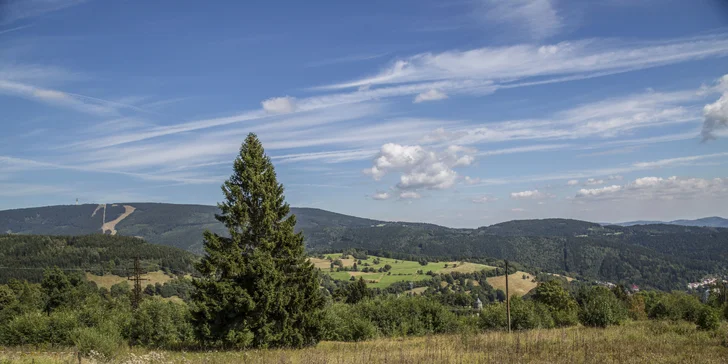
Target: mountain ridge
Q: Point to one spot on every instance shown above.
(660, 256)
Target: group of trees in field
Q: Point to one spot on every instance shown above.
(25, 256)
(257, 289)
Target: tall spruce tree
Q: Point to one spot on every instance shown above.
(258, 289)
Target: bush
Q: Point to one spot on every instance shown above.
(161, 324)
(29, 328)
(342, 323)
(600, 308)
(708, 318)
(408, 316)
(493, 317)
(99, 342)
(676, 306)
(526, 315)
(562, 307)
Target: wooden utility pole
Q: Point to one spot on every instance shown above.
(508, 301)
(137, 278)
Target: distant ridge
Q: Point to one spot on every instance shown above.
(663, 256)
(714, 221)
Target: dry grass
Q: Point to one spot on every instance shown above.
(516, 284)
(637, 342)
(320, 263)
(418, 290)
(568, 279)
(109, 280)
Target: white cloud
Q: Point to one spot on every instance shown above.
(573, 182)
(279, 105)
(716, 116)
(409, 195)
(671, 162)
(583, 58)
(518, 209)
(526, 149)
(420, 168)
(650, 188)
(472, 181)
(593, 182)
(431, 95)
(529, 195)
(598, 191)
(485, 199)
(536, 18)
(379, 195)
(334, 156)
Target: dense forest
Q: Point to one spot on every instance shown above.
(26, 256)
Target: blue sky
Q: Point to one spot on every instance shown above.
(460, 113)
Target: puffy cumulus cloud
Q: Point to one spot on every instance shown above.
(529, 195)
(431, 95)
(409, 195)
(279, 105)
(615, 177)
(647, 188)
(572, 182)
(594, 182)
(485, 199)
(421, 168)
(380, 195)
(715, 117)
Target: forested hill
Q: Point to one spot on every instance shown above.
(26, 256)
(661, 256)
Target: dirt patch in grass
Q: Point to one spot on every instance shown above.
(111, 225)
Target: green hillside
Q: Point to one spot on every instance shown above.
(660, 256)
(381, 272)
(26, 256)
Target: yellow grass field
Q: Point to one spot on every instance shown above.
(644, 342)
(109, 280)
(516, 284)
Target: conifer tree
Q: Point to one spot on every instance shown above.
(258, 289)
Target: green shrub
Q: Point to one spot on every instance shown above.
(676, 306)
(60, 326)
(526, 315)
(408, 316)
(161, 324)
(98, 342)
(29, 328)
(562, 307)
(708, 318)
(493, 317)
(600, 308)
(341, 322)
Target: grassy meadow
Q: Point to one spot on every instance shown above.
(517, 284)
(633, 342)
(402, 270)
